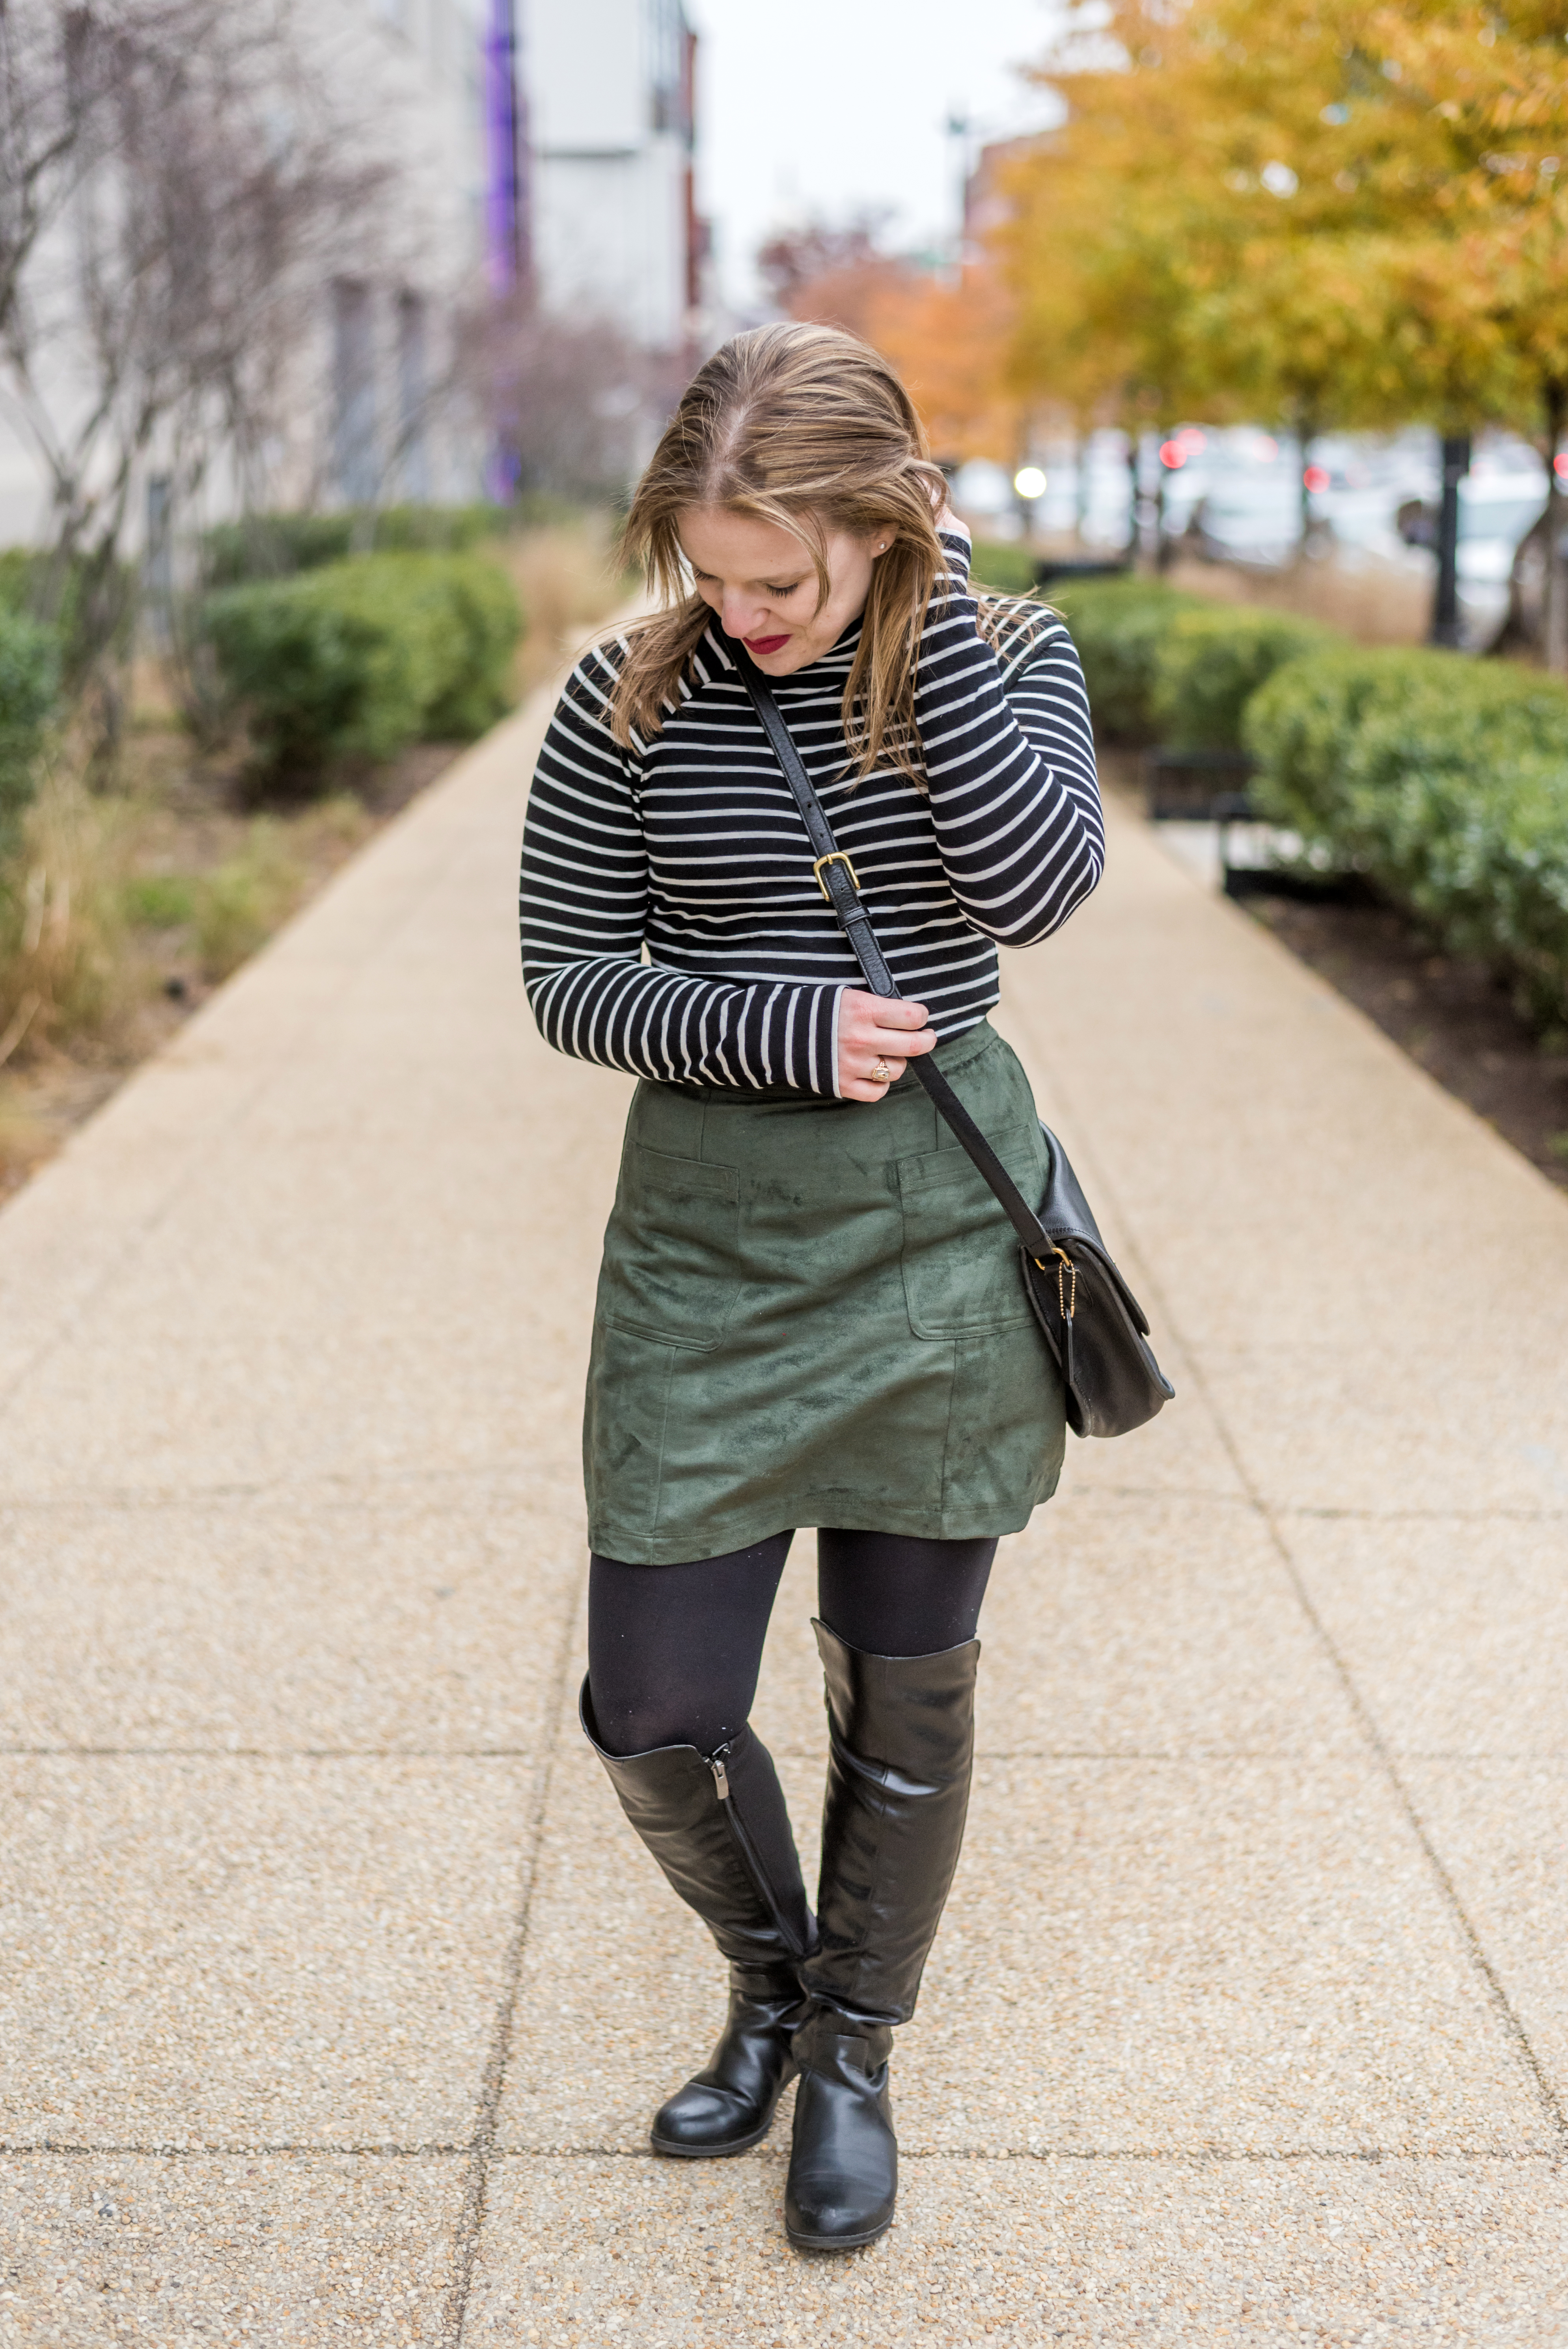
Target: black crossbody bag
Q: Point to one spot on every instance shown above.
(1094, 1325)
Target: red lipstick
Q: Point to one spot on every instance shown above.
(765, 644)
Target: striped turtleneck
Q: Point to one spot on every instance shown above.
(688, 846)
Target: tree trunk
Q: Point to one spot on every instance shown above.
(1555, 616)
(1445, 628)
(1306, 433)
(1164, 544)
(1135, 509)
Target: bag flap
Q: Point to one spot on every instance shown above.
(1063, 1209)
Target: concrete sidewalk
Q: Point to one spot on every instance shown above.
(335, 1994)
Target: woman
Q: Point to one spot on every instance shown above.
(809, 1311)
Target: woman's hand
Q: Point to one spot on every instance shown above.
(876, 1032)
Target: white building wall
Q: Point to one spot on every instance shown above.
(611, 151)
(415, 68)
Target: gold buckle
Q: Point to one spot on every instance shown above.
(837, 857)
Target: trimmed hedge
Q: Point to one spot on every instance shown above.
(359, 658)
(29, 689)
(1004, 568)
(1209, 664)
(276, 545)
(1447, 782)
(1444, 780)
(1119, 626)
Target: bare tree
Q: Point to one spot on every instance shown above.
(166, 265)
(568, 401)
(52, 60)
(794, 259)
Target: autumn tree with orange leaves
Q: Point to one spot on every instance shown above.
(1328, 213)
(950, 343)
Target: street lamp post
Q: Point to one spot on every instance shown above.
(1029, 487)
(958, 132)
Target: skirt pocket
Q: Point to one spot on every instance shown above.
(960, 1258)
(670, 1267)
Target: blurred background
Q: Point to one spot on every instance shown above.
(332, 338)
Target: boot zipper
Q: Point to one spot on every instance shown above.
(716, 1762)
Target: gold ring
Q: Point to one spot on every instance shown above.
(881, 1074)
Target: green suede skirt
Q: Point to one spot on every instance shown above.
(810, 1313)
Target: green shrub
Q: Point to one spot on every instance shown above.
(30, 688)
(276, 546)
(1006, 569)
(52, 587)
(329, 665)
(86, 607)
(18, 576)
(1447, 782)
(361, 658)
(1326, 729)
(490, 618)
(436, 530)
(1302, 723)
(1209, 664)
(1118, 626)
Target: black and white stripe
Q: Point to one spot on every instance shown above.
(688, 844)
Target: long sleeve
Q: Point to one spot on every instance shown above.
(584, 910)
(1009, 758)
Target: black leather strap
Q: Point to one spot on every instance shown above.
(844, 896)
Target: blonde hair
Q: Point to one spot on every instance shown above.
(811, 429)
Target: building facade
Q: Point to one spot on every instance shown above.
(608, 89)
(440, 77)
(544, 151)
(367, 411)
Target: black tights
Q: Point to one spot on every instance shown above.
(674, 1651)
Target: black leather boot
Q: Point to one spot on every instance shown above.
(719, 1829)
(730, 2104)
(901, 1731)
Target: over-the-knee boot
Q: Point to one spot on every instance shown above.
(719, 1827)
(902, 1744)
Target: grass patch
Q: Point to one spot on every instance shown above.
(121, 905)
(160, 900)
(250, 896)
(213, 920)
(63, 931)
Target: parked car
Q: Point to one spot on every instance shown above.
(1253, 517)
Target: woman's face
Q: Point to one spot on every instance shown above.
(761, 582)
